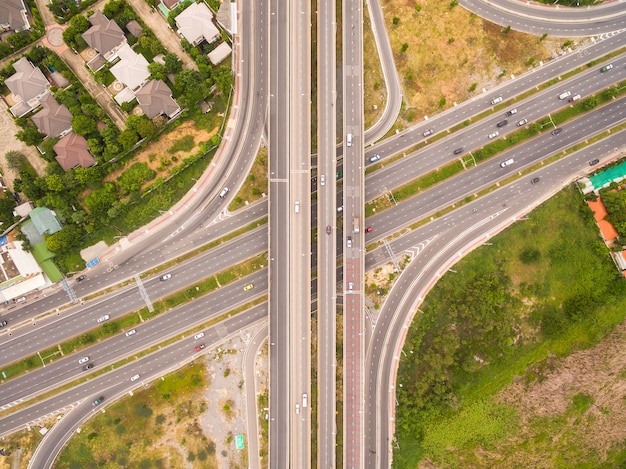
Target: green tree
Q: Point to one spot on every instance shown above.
(172, 63)
(83, 125)
(193, 85)
(68, 237)
(128, 138)
(395, 21)
(157, 70)
(101, 200)
(15, 160)
(30, 135)
(132, 179)
(55, 183)
(223, 79)
(112, 8)
(147, 129)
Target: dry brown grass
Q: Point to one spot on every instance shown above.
(449, 50)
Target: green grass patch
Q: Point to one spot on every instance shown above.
(185, 143)
(544, 289)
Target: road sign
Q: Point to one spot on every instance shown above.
(239, 442)
(93, 262)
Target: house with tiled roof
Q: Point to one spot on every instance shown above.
(72, 151)
(104, 36)
(195, 24)
(13, 16)
(155, 99)
(132, 69)
(54, 119)
(28, 85)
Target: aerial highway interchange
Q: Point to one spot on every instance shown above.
(273, 93)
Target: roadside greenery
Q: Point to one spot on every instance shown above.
(544, 287)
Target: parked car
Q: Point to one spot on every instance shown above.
(522, 122)
(131, 332)
(83, 360)
(594, 162)
(494, 135)
(199, 335)
(21, 299)
(428, 133)
(98, 401)
(374, 158)
(165, 277)
(368, 229)
(106, 317)
(199, 347)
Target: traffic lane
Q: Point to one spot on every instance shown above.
(115, 384)
(147, 334)
(399, 173)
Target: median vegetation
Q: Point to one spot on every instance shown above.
(542, 290)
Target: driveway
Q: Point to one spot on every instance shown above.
(159, 26)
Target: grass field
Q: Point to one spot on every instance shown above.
(545, 289)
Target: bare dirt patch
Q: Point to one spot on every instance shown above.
(158, 156)
(551, 422)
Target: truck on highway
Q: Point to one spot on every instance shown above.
(356, 223)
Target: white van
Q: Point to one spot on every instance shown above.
(564, 95)
(297, 206)
(349, 140)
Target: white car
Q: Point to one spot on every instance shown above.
(134, 378)
(106, 317)
(83, 360)
(496, 100)
(506, 163)
(494, 135)
(522, 122)
(322, 180)
(199, 336)
(131, 332)
(428, 132)
(166, 277)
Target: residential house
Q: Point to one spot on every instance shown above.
(105, 37)
(54, 119)
(28, 85)
(13, 16)
(134, 28)
(195, 24)
(155, 99)
(72, 151)
(45, 220)
(132, 69)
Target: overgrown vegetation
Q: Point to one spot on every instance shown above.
(160, 423)
(545, 285)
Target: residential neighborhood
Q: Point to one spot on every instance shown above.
(139, 81)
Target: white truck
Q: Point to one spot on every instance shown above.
(356, 224)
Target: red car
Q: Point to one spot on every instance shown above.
(199, 347)
(368, 229)
(328, 229)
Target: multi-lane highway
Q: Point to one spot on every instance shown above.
(181, 232)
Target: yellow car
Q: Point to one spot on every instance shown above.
(248, 287)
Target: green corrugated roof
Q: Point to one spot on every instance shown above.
(45, 220)
(44, 258)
